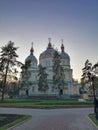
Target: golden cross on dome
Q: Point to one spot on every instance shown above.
(49, 40)
(31, 50)
(62, 41)
(32, 44)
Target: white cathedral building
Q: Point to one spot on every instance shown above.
(29, 81)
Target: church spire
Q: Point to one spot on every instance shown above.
(31, 50)
(62, 46)
(49, 44)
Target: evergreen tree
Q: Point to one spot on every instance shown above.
(43, 85)
(90, 76)
(13, 89)
(8, 64)
(25, 75)
(58, 77)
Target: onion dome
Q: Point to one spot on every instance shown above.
(31, 57)
(48, 53)
(64, 56)
(63, 53)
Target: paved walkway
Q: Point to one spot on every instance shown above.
(53, 119)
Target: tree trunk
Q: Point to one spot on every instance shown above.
(95, 100)
(5, 79)
(2, 95)
(93, 87)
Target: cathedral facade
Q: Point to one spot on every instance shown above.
(30, 79)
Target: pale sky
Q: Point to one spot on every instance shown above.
(75, 21)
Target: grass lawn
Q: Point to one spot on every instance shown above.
(2, 117)
(93, 118)
(9, 120)
(45, 103)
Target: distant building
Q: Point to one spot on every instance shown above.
(29, 81)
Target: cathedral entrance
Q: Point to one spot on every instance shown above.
(61, 91)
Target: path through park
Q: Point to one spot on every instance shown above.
(53, 119)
